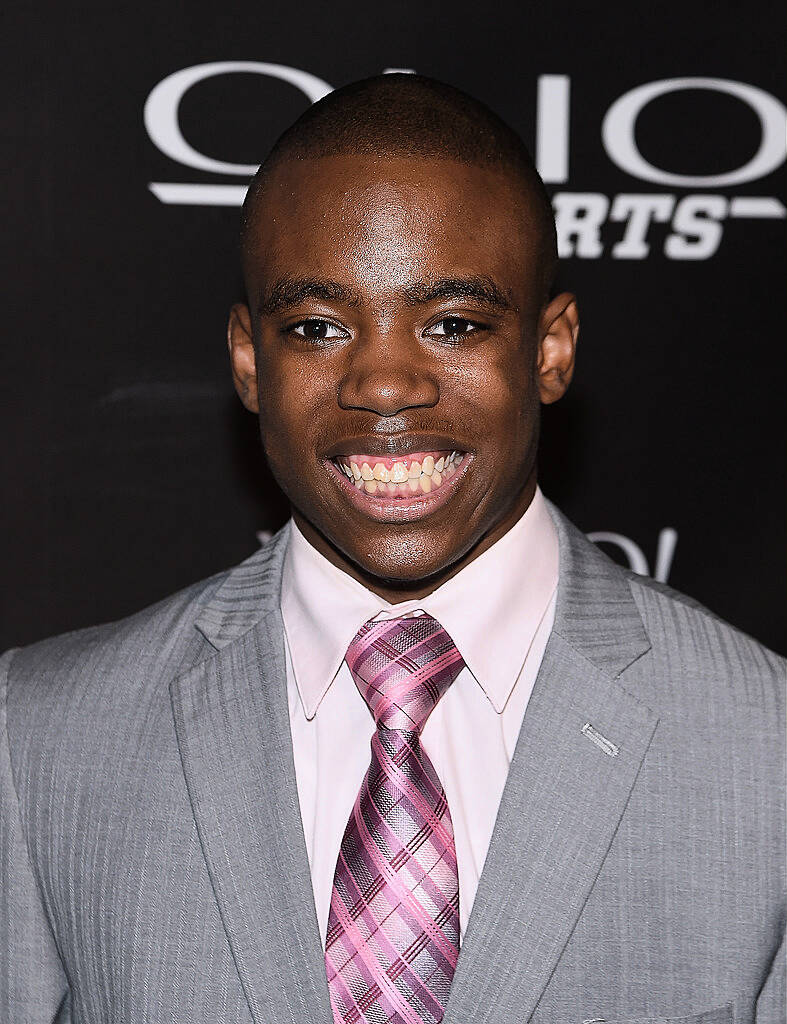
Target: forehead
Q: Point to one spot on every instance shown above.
(386, 221)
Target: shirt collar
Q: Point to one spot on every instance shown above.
(323, 608)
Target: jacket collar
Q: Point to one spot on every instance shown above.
(595, 612)
(249, 591)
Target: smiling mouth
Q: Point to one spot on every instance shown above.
(419, 473)
(405, 487)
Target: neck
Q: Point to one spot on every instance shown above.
(398, 591)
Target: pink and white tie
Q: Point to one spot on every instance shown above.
(393, 929)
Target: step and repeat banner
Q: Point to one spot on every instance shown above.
(130, 468)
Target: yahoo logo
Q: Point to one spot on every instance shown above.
(635, 556)
(696, 220)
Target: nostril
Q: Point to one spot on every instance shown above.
(387, 394)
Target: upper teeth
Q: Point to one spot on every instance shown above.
(401, 472)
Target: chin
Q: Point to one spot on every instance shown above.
(404, 562)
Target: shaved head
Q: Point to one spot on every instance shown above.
(403, 115)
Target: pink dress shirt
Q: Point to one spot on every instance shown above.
(499, 612)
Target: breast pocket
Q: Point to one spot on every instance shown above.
(720, 1015)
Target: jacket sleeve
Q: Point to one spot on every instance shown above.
(33, 985)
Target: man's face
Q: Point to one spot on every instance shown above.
(400, 346)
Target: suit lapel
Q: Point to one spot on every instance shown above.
(561, 806)
(233, 732)
(564, 796)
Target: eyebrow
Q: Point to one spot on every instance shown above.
(482, 289)
(290, 291)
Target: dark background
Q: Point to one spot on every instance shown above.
(130, 468)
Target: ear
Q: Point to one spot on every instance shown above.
(243, 357)
(558, 331)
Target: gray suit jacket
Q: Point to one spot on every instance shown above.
(153, 861)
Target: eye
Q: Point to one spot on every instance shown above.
(454, 327)
(315, 329)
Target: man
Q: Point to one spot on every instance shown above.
(571, 809)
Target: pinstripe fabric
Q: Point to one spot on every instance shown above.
(393, 930)
(152, 862)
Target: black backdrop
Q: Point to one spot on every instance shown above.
(130, 468)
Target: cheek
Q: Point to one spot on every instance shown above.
(502, 401)
(290, 392)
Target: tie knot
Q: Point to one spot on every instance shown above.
(402, 667)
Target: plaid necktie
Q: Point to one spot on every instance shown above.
(393, 929)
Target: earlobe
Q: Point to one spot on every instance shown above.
(243, 357)
(559, 331)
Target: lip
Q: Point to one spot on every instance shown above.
(398, 510)
(393, 446)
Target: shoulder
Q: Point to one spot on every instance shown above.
(634, 626)
(718, 693)
(147, 649)
(73, 705)
(711, 686)
(115, 678)
(122, 670)
(96, 697)
(110, 663)
(691, 642)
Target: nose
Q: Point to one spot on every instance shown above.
(387, 375)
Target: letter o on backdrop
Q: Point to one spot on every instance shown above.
(617, 132)
(161, 108)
